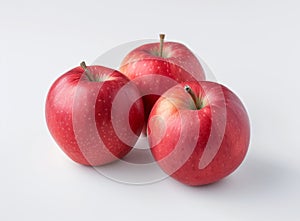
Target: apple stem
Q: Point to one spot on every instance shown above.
(161, 45)
(196, 99)
(87, 71)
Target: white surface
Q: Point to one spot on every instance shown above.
(252, 47)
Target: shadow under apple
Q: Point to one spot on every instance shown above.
(256, 178)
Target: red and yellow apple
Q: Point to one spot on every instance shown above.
(198, 132)
(156, 67)
(95, 114)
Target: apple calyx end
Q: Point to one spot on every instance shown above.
(196, 99)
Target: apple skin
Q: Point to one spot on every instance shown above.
(154, 75)
(199, 146)
(79, 115)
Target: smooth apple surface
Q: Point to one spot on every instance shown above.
(89, 115)
(155, 74)
(199, 145)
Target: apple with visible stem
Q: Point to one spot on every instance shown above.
(156, 67)
(198, 132)
(95, 114)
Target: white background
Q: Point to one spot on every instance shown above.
(251, 46)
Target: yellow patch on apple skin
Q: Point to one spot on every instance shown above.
(157, 129)
(165, 109)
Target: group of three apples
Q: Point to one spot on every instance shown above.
(198, 131)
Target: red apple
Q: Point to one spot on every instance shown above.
(198, 132)
(156, 67)
(95, 114)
